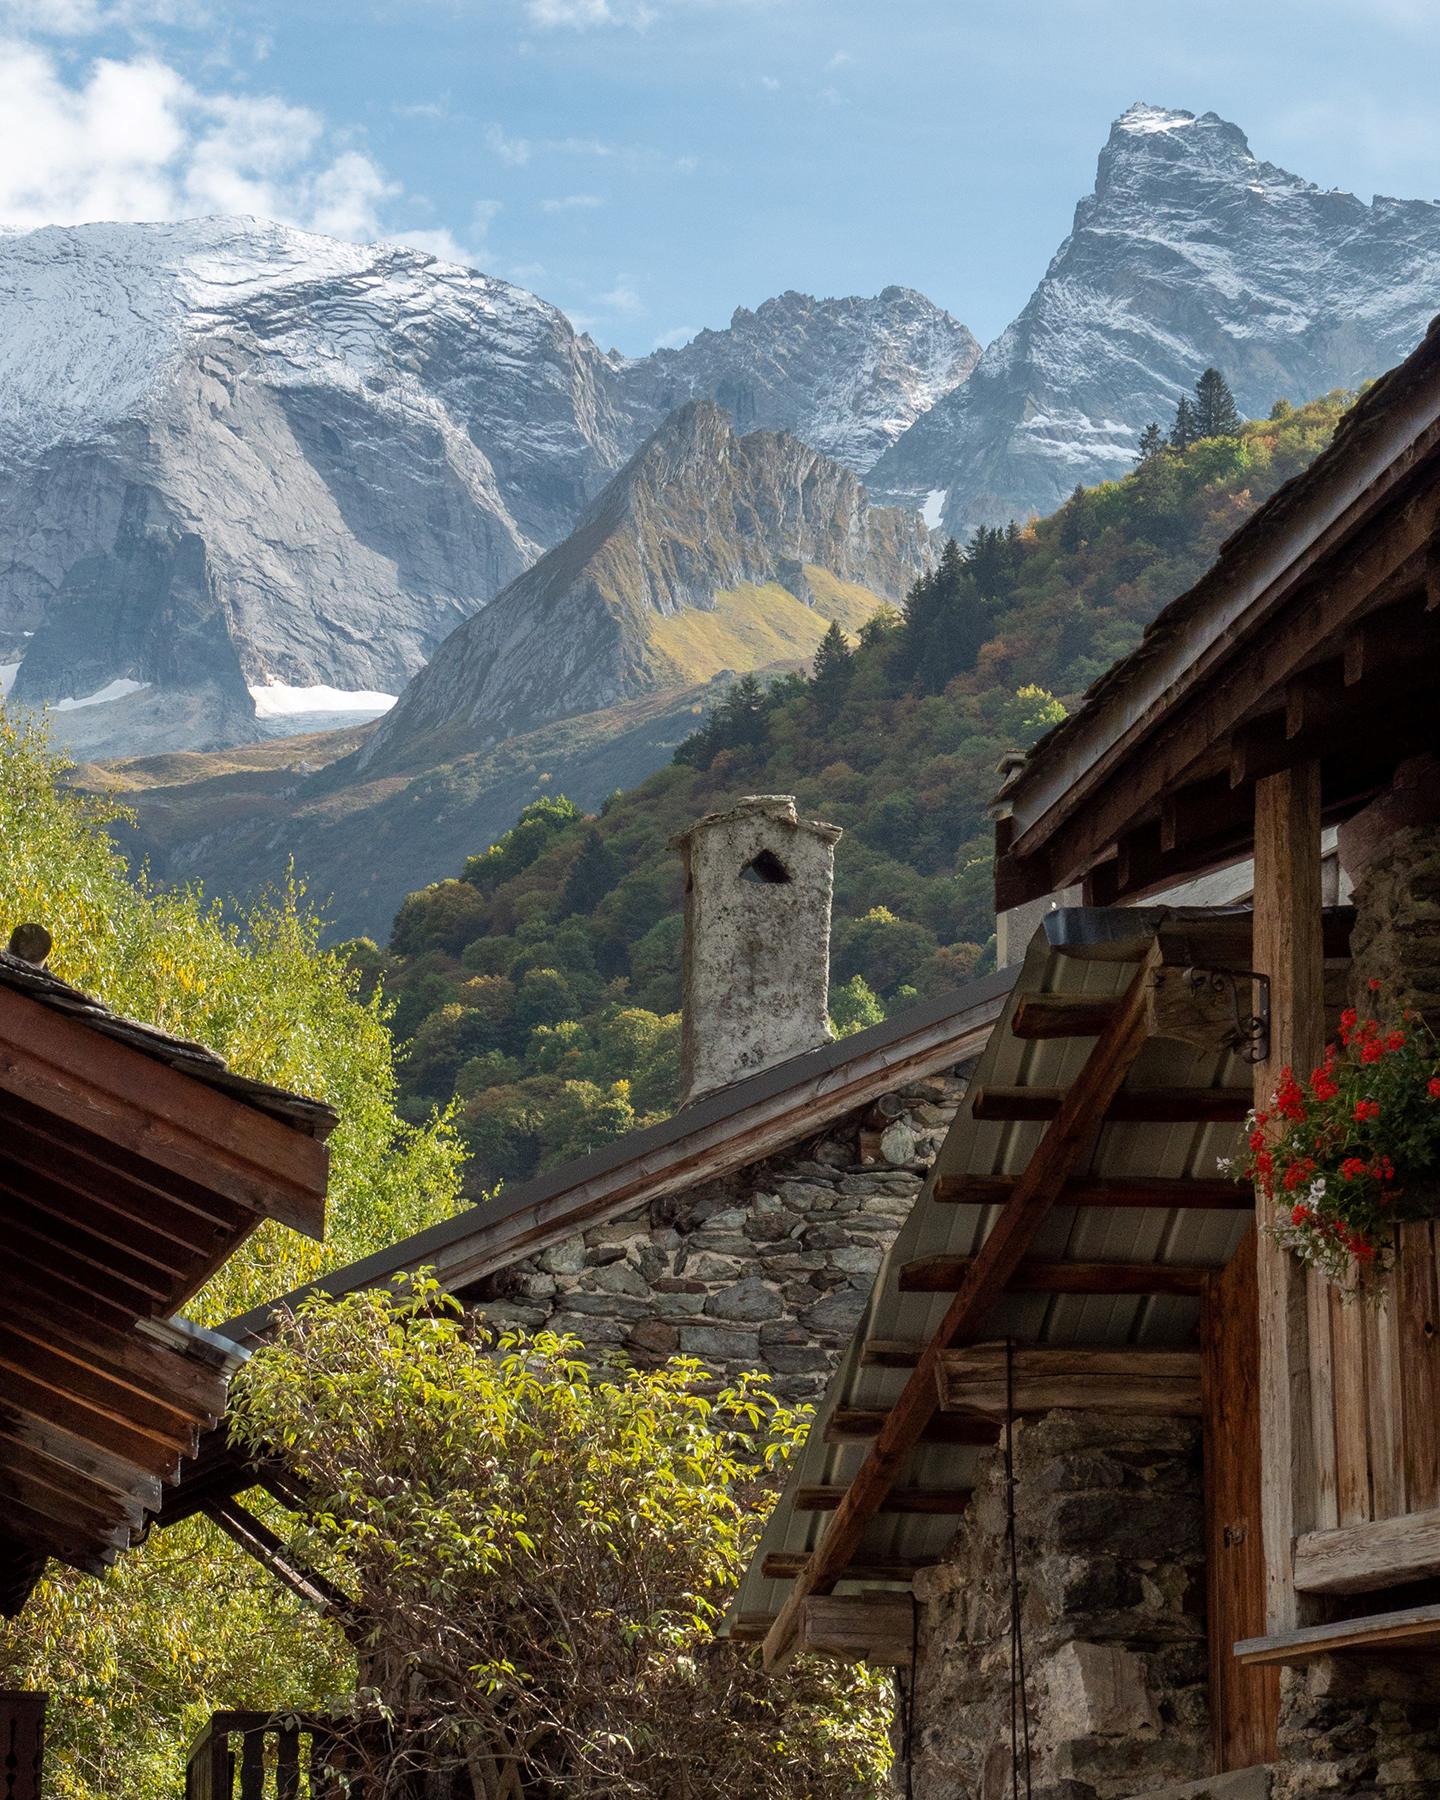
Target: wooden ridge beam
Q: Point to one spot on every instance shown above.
(1202, 1193)
(1068, 1141)
(791, 1565)
(853, 1424)
(898, 1500)
(1159, 1383)
(945, 1275)
(1181, 1106)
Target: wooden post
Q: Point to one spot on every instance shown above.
(1288, 948)
(1244, 1703)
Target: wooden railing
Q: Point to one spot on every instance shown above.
(267, 1756)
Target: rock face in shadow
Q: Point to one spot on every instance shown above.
(707, 546)
(366, 445)
(1190, 253)
(360, 445)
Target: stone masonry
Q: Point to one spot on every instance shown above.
(1111, 1563)
(767, 1268)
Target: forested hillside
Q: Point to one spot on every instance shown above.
(540, 985)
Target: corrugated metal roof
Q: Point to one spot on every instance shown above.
(1087, 970)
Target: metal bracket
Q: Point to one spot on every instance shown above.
(1251, 1037)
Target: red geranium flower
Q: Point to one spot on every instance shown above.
(1366, 1109)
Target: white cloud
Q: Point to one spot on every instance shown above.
(676, 336)
(839, 60)
(572, 203)
(80, 18)
(621, 298)
(639, 15)
(132, 138)
(512, 151)
(769, 83)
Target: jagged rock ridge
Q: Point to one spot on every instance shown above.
(1190, 252)
(847, 377)
(706, 541)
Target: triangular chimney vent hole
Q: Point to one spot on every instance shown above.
(766, 867)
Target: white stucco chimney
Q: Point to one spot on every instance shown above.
(759, 881)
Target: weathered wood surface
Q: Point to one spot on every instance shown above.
(871, 1628)
(1414, 1627)
(853, 1424)
(1201, 1194)
(1063, 1146)
(1288, 948)
(1244, 1702)
(898, 1500)
(944, 1274)
(1159, 1383)
(1157, 1105)
(1353, 1559)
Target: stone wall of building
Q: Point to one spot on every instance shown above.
(1109, 1530)
(1371, 1730)
(767, 1268)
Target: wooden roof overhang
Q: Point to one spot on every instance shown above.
(727, 1130)
(1076, 1211)
(132, 1165)
(1315, 634)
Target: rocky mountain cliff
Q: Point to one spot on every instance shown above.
(709, 551)
(847, 377)
(1190, 252)
(251, 477)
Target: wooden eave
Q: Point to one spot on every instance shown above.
(1315, 633)
(132, 1166)
(1101, 1303)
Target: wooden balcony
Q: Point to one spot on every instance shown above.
(269, 1756)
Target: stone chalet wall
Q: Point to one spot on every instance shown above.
(767, 1268)
(1110, 1535)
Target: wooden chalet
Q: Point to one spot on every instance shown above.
(1077, 1247)
(132, 1165)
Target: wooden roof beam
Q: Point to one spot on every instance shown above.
(791, 1565)
(1190, 1106)
(1162, 1383)
(945, 1275)
(898, 1500)
(1060, 1016)
(1066, 1142)
(853, 1424)
(43, 1437)
(1180, 1193)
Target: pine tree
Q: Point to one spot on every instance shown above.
(1072, 520)
(831, 672)
(593, 874)
(1183, 433)
(952, 622)
(1216, 414)
(1152, 442)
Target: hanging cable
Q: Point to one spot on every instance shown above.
(1019, 1699)
(909, 1693)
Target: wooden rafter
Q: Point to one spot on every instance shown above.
(1136, 1379)
(854, 1424)
(790, 1565)
(1065, 1143)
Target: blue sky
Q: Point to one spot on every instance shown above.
(650, 164)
